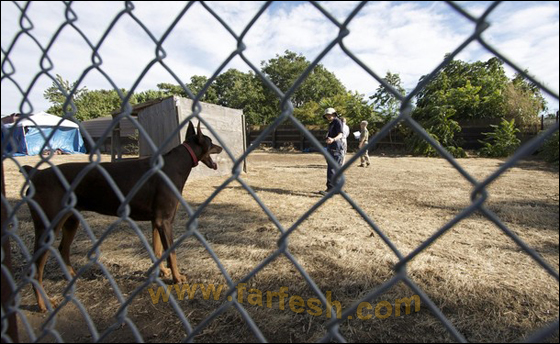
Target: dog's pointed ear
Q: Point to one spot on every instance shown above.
(199, 134)
(190, 130)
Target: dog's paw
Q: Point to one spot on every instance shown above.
(43, 308)
(164, 272)
(54, 303)
(181, 279)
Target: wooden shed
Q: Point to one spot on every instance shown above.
(160, 118)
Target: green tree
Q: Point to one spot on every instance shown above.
(57, 93)
(284, 70)
(146, 96)
(98, 103)
(385, 103)
(358, 109)
(475, 90)
(524, 102)
(245, 91)
(197, 84)
(233, 89)
(89, 104)
(550, 149)
(502, 142)
(439, 122)
(240, 90)
(461, 91)
(351, 105)
(171, 89)
(308, 113)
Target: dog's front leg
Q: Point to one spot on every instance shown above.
(165, 230)
(158, 250)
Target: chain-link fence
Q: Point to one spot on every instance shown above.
(11, 231)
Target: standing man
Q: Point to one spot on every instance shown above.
(334, 145)
(364, 140)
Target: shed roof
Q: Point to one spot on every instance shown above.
(139, 107)
(96, 127)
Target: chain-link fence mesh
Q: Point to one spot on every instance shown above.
(11, 225)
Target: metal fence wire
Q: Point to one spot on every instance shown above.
(11, 225)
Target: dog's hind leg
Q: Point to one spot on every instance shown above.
(158, 250)
(43, 254)
(40, 266)
(41, 250)
(69, 230)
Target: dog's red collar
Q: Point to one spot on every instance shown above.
(193, 156)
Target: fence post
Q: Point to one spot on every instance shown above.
(245, 140)
(116, 153)
(7, 292)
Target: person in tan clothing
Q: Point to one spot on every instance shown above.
(364, 140)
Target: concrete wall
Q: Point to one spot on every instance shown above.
(161, 119)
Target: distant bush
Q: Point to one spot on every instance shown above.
(502, 142)
(550, 149)
(440, 125)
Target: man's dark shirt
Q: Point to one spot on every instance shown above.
(335, 128)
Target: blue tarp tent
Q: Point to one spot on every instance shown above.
(28, 140)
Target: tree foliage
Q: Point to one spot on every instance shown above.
(283, 71)
(236, 89)
(385, 102)
(550, 150)
(502, 142)
(464, 91)
(474, 90)
(439, 122)
(524, 102)
(88, 104)
(460, 91)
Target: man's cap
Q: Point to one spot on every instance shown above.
(329, 111)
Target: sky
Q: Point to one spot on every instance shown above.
(405, 37)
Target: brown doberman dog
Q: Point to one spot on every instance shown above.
(153, 202)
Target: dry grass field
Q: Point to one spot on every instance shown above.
(482, 281)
